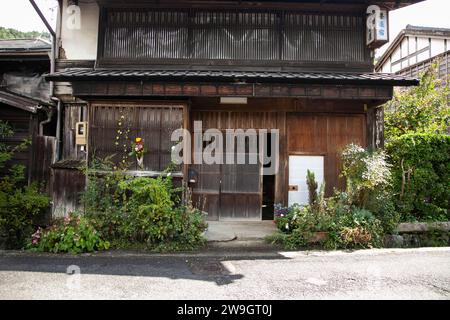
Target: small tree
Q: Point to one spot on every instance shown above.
(18, 204)
(366, 173)
(421, 109)
(312, 188)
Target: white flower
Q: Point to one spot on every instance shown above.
(287, 226)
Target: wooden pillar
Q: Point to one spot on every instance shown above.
(375, 128)
(281, 192)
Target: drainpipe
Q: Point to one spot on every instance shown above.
(42, 123)
(58, 127)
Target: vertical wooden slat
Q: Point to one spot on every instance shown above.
(140, 34)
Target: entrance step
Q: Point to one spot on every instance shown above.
(223, 231)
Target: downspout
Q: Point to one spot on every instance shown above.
(58, 127)
(42, 123)
(52, 86)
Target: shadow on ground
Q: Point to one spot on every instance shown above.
(215, 268)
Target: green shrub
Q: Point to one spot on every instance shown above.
(19, 204)
(421, 176)
(366, 172)
(73, 234)
(138, 210)
(356, 218)
(419, 109)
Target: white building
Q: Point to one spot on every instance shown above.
(414, 49)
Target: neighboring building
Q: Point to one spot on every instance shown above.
(415, 49)
(24, 94)
(301, 67)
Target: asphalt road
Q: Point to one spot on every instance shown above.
(368, 274)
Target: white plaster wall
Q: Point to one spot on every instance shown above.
(396, 54)
(437, 47)
(412, 45)
(422, 43)
(404, 51)
(81, 44)
(424, 56)
(396, 67)
(386, 68)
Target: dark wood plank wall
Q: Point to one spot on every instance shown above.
(25, 126)
(375, 128)
(73, 113)
(327, 135)
(153, 122)
(43, 155)
(67, 186)
(232, 37)
(239, 194)
(306, 127)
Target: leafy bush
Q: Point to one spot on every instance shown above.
(140, 210)
(420, 109)
(421, 176)
(366, 173)
(357, 218)
(19, 203)
(73, 234)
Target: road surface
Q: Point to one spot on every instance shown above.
(366, 274)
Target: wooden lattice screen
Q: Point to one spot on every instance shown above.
(197, 35)
(113, 128)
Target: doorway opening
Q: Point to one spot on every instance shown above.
(268, 183)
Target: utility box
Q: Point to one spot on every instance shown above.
(81, 130)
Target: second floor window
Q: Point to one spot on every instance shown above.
(143, 35)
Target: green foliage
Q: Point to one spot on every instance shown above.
(19, 204)
(73, 234)
(420, 109)
(312, 188)
(129, 210)
(9, 33)
(421, 176)
(356, 218)
(366, 173)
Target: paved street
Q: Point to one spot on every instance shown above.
(369, 274)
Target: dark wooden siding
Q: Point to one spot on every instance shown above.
(231, 191)
(43, 155)
(73, 113)
(442, 69)
(67, 186)
(305, 127)
(24, 125)
(153, 122)
(166, 36)
(325, 135)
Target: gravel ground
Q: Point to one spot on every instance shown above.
(365, 274)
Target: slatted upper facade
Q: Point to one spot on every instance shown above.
(229, 37)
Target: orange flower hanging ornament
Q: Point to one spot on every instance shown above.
(139, 151)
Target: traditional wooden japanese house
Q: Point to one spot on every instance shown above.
(302, 67)
(25, 100)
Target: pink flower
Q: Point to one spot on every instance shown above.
(35, 237)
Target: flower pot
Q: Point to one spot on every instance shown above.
(140, 162)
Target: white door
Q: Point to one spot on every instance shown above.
(298, 167)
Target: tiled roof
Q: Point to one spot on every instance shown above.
(248, 76)
(13, 45)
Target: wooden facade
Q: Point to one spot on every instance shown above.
(302, 68)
